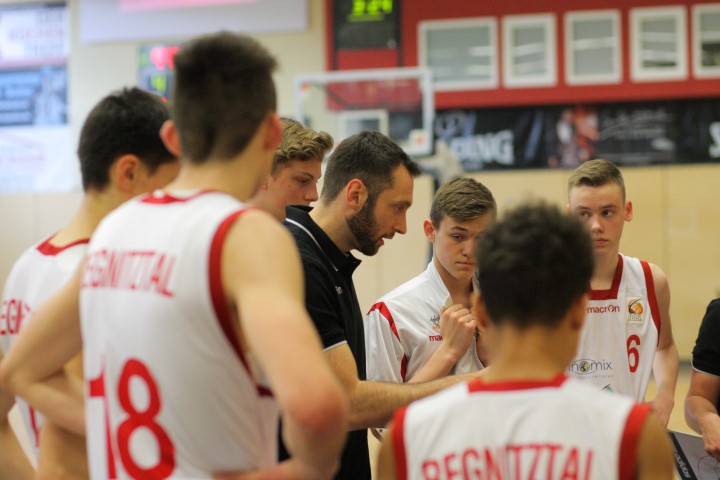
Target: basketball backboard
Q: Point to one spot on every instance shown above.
(397, 102)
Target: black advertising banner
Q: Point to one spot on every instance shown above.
(564, 136)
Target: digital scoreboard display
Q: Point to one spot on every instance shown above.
(156, 68)
(366, 24)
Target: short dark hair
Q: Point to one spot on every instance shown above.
(299, 142)
(368, 156)
(126, 122)
(596, 173)
(462, 199)
(533, 264)
(222, 92)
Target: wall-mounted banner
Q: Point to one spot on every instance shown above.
(647, 133)
(36, 151)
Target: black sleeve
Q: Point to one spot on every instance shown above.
(321, 301)
(706, 354)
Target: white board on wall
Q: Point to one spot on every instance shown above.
(113, 20)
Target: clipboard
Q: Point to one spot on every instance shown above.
(691, 460)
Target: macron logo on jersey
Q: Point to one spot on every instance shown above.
(604, 309)
(146, 271)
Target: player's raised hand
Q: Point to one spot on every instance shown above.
(457, 326)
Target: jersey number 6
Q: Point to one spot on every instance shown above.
(633, 342)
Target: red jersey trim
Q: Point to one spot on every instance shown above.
(613, 292)
(217, 295)
(479, 386)
(629, 443)
(398, 442)
(46, 248)
(165, 198)
(385, 312)
(652, 298)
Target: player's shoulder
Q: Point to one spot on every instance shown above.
(253, 226)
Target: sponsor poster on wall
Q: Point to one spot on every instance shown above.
(564, 136)
(36, 150)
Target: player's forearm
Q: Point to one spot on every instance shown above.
(438, 365)
(59, 398)
(665, 369)
(316, 438)
(14, 464)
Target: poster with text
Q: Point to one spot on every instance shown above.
(36, 151)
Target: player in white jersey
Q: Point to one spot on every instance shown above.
(121, 155)
(525, 419)
(424, 328)
(627, 332)
(187, 302)
(297, 167)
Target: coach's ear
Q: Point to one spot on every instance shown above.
(169, 136)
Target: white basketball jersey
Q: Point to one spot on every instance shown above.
(402, 330)
(36, 275)
(518, 430)
(621, 331)
(169, 384)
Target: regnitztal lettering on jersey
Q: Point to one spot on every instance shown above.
(146, 271)
(517, 462)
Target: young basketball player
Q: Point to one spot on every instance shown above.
(424, 329)
(627, 333)
(525, 419)
(121, 155)
(296, 169)
(187, 299)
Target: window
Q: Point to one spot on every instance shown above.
(592, 47)
(529, 57)
(462, 54)
(706, 40)
(658, 43)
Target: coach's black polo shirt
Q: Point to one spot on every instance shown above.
(333, 305)
(706, 354)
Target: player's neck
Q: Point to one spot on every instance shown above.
(234, 177)
(530, 354)
(460, 290)
(93, 208)
(604, 272)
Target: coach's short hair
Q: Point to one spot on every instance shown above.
(126, 122)
(368, 156)
(222, 92)
(533, 264)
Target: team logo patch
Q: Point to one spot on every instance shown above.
(435, 322)
(635, 309)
